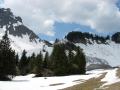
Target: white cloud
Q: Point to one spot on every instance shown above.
(40, 15)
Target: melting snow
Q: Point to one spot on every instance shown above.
(54, 83)
(110, 77)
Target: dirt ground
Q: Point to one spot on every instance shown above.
(96, 84)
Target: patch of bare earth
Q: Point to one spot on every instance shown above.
(118, 72)
(115, 86)
(91, 84)
(95, 84)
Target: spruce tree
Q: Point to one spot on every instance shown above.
(23, 64)
(32, 63)
(7, 58)
(16, 59)
(38, 65)
(45, 62)
(80, 62)
(70, 62)
(59, 60)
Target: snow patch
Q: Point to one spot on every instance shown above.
(110, 77)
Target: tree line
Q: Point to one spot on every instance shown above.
(60, 62)
(81, 37)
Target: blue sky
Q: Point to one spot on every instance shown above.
(54, 19)
(61, 29)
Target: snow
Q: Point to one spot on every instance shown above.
(109, 52)
(57, 82)
(40, 83)
(110, 77)
(23, 43)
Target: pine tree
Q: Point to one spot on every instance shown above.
(23, 64)
(17, 59)
(38, 65)
(32, 63)
(7, 58)
(80, 62)
(45, 62)
(59, 60)
(70, 62)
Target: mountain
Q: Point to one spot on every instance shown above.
(104, 48)
(20, 35)
(14, 24)
(96, 48)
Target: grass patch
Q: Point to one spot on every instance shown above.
(115, 86)
(91, 84)
(118, 72)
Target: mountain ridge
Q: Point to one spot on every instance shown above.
(23, 38)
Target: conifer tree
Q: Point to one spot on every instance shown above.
(38, 64)
(32, 63)
(70, 62)
(7, 58)
(80, 62)
(45, 62)
(59, 60)
(23, 64)
(17, 59)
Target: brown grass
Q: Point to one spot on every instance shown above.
(118, 72)
(115, 86)
(95, 84)
(91, 84)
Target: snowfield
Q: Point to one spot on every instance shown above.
(55, 83)
(109, 52)
(23, 43)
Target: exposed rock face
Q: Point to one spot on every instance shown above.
(96, 63)
(14, 24)
(21, 37)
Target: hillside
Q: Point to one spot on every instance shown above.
(94, 46)
(105, 48)
(20, 35)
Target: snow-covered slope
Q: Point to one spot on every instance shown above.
(21, 43)
(105, 48)
(109, 52)
(21, 37)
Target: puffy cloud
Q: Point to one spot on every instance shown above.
(41, 15)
